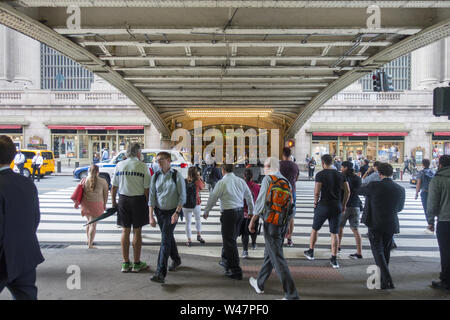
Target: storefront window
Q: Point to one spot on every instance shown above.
(125, 141)
(391, 151)
(371, 153)
(84, 146)
(17, 140)
(319, 148)
(440, 148)
(64, 146)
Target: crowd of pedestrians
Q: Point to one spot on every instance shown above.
(245, 206)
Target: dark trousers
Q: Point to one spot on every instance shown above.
(168, 244)
(245, 234)
(274, 258)
(23, 287)
(381, 243)
(310, 173)
(424, 198)
(230, 222)
(443, 238)
(38, 170)
(20, 167)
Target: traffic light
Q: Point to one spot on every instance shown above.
(377, 81)
(387, 82)
(290, 143)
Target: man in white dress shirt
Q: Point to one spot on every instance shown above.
(231, 191)
(37, 163)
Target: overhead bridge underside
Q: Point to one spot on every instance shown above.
(288, 57)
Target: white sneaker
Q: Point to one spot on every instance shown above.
(254, 284)
(284, 298)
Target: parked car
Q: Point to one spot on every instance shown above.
(47, 168)
(108, 167)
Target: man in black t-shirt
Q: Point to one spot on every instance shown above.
(352, 213)
(330, 184)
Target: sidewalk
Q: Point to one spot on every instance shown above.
(65, 171)
(199, 278)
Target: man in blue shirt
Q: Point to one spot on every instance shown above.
(166, 199)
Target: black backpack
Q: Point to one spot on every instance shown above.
(209, 174)
(191, 195)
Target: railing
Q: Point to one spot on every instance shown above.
(45, 97)
(407, 98)
(10, 96)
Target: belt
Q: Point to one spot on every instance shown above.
(237, 210)
(170, 211)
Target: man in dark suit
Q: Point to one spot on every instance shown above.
(384, 199)
(19, 218)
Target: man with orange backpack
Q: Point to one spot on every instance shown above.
(274, 204)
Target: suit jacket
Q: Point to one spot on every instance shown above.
(384, 199)
(19, 220)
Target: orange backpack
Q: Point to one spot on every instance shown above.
(278, 202)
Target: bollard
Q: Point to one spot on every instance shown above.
(77, 164)
(58, 166)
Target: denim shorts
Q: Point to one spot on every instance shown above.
(326, 212)
(352, 215)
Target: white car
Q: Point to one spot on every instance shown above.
(108, 167)
(179, 161)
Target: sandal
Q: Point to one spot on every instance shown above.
(189, 243)
(199, 238)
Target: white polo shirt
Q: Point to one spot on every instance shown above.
(131, 177)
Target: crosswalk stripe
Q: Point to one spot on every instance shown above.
(62, 223)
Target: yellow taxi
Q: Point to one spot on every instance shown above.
(46, 169)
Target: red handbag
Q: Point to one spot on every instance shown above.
(77, 195)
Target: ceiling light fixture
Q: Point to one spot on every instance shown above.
(227, 113)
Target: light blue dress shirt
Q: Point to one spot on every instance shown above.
(164, 193)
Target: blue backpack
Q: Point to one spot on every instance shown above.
(427, 175)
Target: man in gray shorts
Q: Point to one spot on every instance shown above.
(352, 212)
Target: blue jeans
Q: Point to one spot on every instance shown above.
(168, 244)
(424, 198)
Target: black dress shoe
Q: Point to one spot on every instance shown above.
(173, 266)
(437, 284)
(157, 278)
(235, 276)
(389, 285)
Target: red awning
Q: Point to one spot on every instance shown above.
(360, 134)
(442, 133)
(9, 127)
(95, 127)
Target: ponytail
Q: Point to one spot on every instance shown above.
(91, 181)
